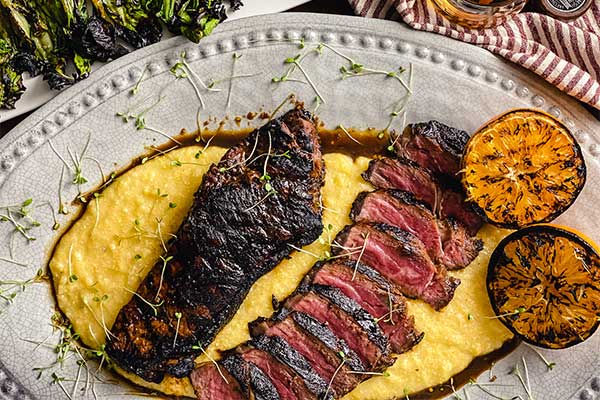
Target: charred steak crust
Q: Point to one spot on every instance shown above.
(372, 292)
(434, 146)
(447, 241)
(443, 197)
(253, 382)
(322, 333)
(235, 232)
(412, 270)
(450, 139)
(286, 354)
(362, 318)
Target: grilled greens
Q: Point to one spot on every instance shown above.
(60, 39)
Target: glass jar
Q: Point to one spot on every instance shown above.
(479, 13)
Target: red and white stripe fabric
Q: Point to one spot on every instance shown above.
(565, 54)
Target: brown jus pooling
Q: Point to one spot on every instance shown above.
(332, 141)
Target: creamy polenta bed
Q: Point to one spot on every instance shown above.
(115, 273)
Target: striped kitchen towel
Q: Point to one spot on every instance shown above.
(565, 54)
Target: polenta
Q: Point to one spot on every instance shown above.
(99, 263)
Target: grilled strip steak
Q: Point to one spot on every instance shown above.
(434, 146)
(405, 175)
(446, 242)
(368, 343)
(319, 346)
(375, 295)
(249, 208)
(401, 258)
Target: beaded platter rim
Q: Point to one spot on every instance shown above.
(467, 61)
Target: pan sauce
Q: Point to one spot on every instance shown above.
(108, 252)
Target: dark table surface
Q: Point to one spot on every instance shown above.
(319, 6)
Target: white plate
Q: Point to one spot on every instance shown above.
(455, 83)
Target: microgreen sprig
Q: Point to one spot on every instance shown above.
(9, 289)
(342, 355)
(198, 346)
(19, 216)
(295, 62)
(178, 315)
(153, 306)
(549, 364)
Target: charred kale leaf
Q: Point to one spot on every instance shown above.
(60, 39)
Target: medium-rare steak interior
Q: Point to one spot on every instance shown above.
(349, 315)
(401, 258)
(447, 242)
(445, 201)
(262, 197)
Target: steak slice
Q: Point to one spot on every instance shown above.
(209, 384)
(358, 335)
(319, 346)
(453, 206)
(402, 174)
(405, 175)
(434, 146)
(401, 258)
(283, 352)
(446, 242)
(289, 385)
(252, 381)
(240, 226)
(375, 295)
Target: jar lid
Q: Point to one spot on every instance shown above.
(563, 9)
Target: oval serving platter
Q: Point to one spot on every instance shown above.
(455, 83)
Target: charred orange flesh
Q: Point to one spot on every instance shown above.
(521, 168)
(544, 285)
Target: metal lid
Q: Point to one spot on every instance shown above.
(563, 9)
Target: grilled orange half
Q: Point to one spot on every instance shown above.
(521, 168)
(544, 285)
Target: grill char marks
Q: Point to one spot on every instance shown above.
(281, 350)
(319, 346)
(253, 382)
(401, 258)
(434, 146)
(406, 175)
(375, 295)
(288, 384)
(446, 242)
(365, 343)
(232, 235)
(349, 313)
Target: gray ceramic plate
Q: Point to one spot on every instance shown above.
(455, 83)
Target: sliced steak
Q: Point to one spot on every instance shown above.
(375, 295)
(319, 346)
(402, 174)
(405, 175)
(358, 337)
(237, 230)
(283, 352)
(446, 242)
(401, 258)
(452, 205)
(434, 146)
(289, 385)
(253, 382)
(211, 383)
